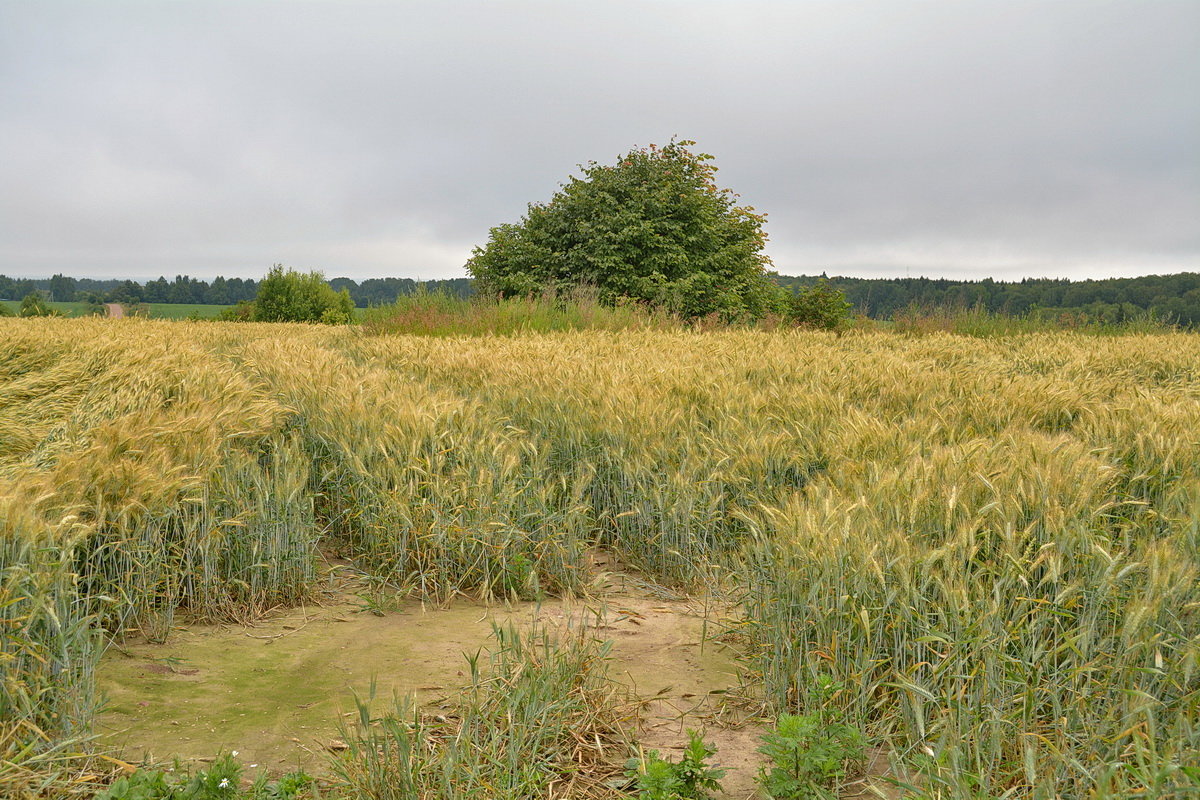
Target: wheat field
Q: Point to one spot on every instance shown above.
(991, 546)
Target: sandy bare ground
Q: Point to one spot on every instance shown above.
(115, 310)
(274, 691)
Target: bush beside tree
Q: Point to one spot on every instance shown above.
(34, 305)
(291, 296)
(818, 306)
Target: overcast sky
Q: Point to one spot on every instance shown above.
(956, 139)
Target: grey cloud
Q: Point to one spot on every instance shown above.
(386, 138)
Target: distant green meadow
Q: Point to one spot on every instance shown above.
(66, 309)
(157, 310)
(184, 310)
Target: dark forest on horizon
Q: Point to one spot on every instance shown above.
(1174, 298)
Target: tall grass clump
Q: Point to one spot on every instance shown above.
(182, 479)
(662, 452)
(153, 481)
(978, 321)
(423, 487)
(444, 314)
(1004, 614)
(48, 651)
(539, 718)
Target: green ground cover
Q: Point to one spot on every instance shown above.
(184, 310)
(157, 310)
(66, 309)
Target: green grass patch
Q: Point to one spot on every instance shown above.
(156, 310)
(184, 310)
(66, 309)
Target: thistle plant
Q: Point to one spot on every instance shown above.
(690, 778)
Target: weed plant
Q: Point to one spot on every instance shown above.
(808, 757)
(539, 718)
(690, 778)
(220, 781)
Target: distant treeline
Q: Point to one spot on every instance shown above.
(381, 291)
(1174, 298)
(221, 291)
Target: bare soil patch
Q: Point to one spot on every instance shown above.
(273, 691)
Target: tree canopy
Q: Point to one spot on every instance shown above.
(653, 227)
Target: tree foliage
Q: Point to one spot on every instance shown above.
(127, 293)
(291, 296)
(653, 227)
(62, 288)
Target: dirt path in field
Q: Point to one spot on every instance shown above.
(115, 310)
(274, 692)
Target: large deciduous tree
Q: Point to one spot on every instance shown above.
(653, 227)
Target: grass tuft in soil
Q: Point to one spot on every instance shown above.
(539, 719)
